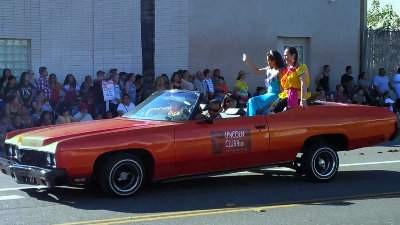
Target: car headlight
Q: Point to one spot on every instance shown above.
(51, 161)
(10, 151)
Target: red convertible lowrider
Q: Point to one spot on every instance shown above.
(161, 139)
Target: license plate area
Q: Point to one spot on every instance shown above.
(26, 180)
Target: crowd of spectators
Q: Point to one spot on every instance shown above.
(382, 90)
(45, 100)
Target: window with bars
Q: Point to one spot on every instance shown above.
(15, 54)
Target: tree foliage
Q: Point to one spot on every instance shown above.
(382, 17)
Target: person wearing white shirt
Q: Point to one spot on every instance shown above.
(381, 82)
(396, 87)
(125, 106)
(83, 114)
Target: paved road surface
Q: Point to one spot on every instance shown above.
(366, 191)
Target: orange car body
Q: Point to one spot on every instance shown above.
(180, 149)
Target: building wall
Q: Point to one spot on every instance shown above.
(171, 38)
(79, 37)
(220, 31)
(86, 35)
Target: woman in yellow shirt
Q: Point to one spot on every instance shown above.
(241, 88)
(295, 82)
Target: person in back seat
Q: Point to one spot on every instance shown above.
(213, 110)
(262, 103)
(228, 102)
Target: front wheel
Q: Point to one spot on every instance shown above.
(122, 175)
(320, 162)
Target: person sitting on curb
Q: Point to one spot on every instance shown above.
(83, 114)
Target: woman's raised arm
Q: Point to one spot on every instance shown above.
(252, 66)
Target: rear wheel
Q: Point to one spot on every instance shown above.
(122, 175)
(320, 162)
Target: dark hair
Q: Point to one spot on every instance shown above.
(99, 72)
(175, 74)
(259, 88)
(382, 71)
(215, 71)
(325, 67)
(43, 114)
(215, 102)
(52, 75)
(228, 96)
(138, 77)
(240, 75)
(386, 93)
(3, 78)
(125, 95)
(128, 77)
(87, 77)
(293, 51)
(11, 78)
(398, 70)
(66, 80)
(362, 75)
(277, 57)
(42, 69)
(113, 70)
(206, 72)
(348, 68)
(22, 78)
(61, 108)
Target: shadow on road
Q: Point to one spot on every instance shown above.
(269, 188)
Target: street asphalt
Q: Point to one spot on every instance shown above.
(366, 191)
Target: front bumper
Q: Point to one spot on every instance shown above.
(24, 174)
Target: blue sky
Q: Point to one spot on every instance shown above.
(395, 4)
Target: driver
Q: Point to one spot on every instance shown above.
(175, 111)
(213, 110)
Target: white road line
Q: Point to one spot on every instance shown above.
(21, 188)
(10, 197)
(233, 174)
(370, 163)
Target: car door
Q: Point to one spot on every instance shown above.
(226, 144)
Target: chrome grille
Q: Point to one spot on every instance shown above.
(30, 157)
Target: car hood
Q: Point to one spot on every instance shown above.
(48, 135)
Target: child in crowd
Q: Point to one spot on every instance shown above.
(125, 106)
(321, 95)
(388, 101)
(83, 114)
(359, 97)
(63, 115)
(340, 95)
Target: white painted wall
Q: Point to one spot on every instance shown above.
(82, 36)
(172, 36)
(219, 31)
(76, 36)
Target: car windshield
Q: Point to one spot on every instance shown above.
(172, 105)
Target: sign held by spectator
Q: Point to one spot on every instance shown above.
(108, 90)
